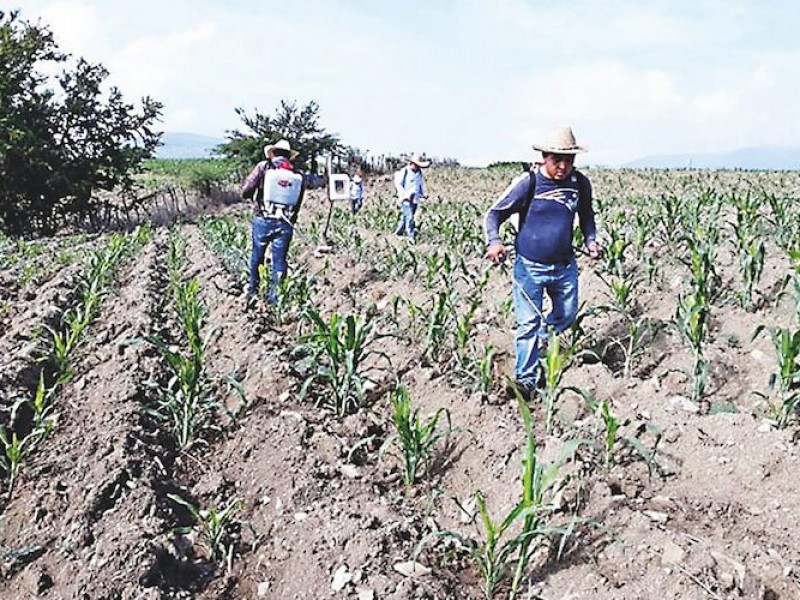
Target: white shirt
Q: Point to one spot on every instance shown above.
(409, 183)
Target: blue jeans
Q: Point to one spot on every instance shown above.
(406, 224)
(531, 280)
(278, 233)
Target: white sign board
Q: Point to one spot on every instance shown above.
(339, 186)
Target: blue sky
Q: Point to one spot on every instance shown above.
(478, 81)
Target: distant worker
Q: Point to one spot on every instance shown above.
(546, 200)
(276, 190)
(410, 185)
(356, 193)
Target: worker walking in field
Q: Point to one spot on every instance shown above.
(277, 193)
(356, 193)
(410, 185)
(546, 200)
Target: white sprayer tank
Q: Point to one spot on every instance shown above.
(282, 186)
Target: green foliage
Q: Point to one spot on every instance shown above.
(62, 137)
(786, 381)
(500, 548)
(216, 527)
(416, 439)
(298, 124)
(340, 350)
(200, 174)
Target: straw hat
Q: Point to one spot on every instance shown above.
(279, 145)
(560, 141)
(420, 160)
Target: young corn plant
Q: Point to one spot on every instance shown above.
(751, 262)
(416, 439)
(228, 239)
(438, 322)
(782, 219)
(613, 443)
(15, 450)
(187, 403)
(508, 545)
(340, 350)
(750, 249)
(294, 294)
(637, 326)
(701, 263)
(786, 382)
(217, 528)
(614, 252)
(554, 362)
(691, 320)
(794, 256)
(92, 289)
(42, 407)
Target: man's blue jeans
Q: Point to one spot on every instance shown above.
(531, 280)
(265, 232)
(406, 224)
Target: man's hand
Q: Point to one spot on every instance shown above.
(594, 249)
(496, 253)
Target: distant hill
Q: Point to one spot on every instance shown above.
(186, 145)
(766, 158)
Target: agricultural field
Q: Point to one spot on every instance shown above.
(162, 437)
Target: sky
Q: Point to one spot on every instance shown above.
(473, 80)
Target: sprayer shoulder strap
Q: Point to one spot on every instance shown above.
(531, 191)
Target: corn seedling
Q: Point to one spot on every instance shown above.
(14, 451)
(508, 545)
(217, 528)
(701, 263)
(787, 380)
(340, 349)
(614, 252)
(477, 369)
(794, 256)
(41, 405)
(750, 249)
(437, 324)
(187, 401)
(637, 327)
(554, 362)
(692, 322)
(294, 294)
(228, 239)
(416, 439)
(612, 441)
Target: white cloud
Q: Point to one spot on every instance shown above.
(152, 63)
(476, 80)
(75, 25)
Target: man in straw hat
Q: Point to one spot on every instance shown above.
(546, 201)
(277, 192)
(410, 185)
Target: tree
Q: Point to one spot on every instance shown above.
(298, 124)
(61, 139)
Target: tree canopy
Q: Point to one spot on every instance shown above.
(62, 139)
(298, 124)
